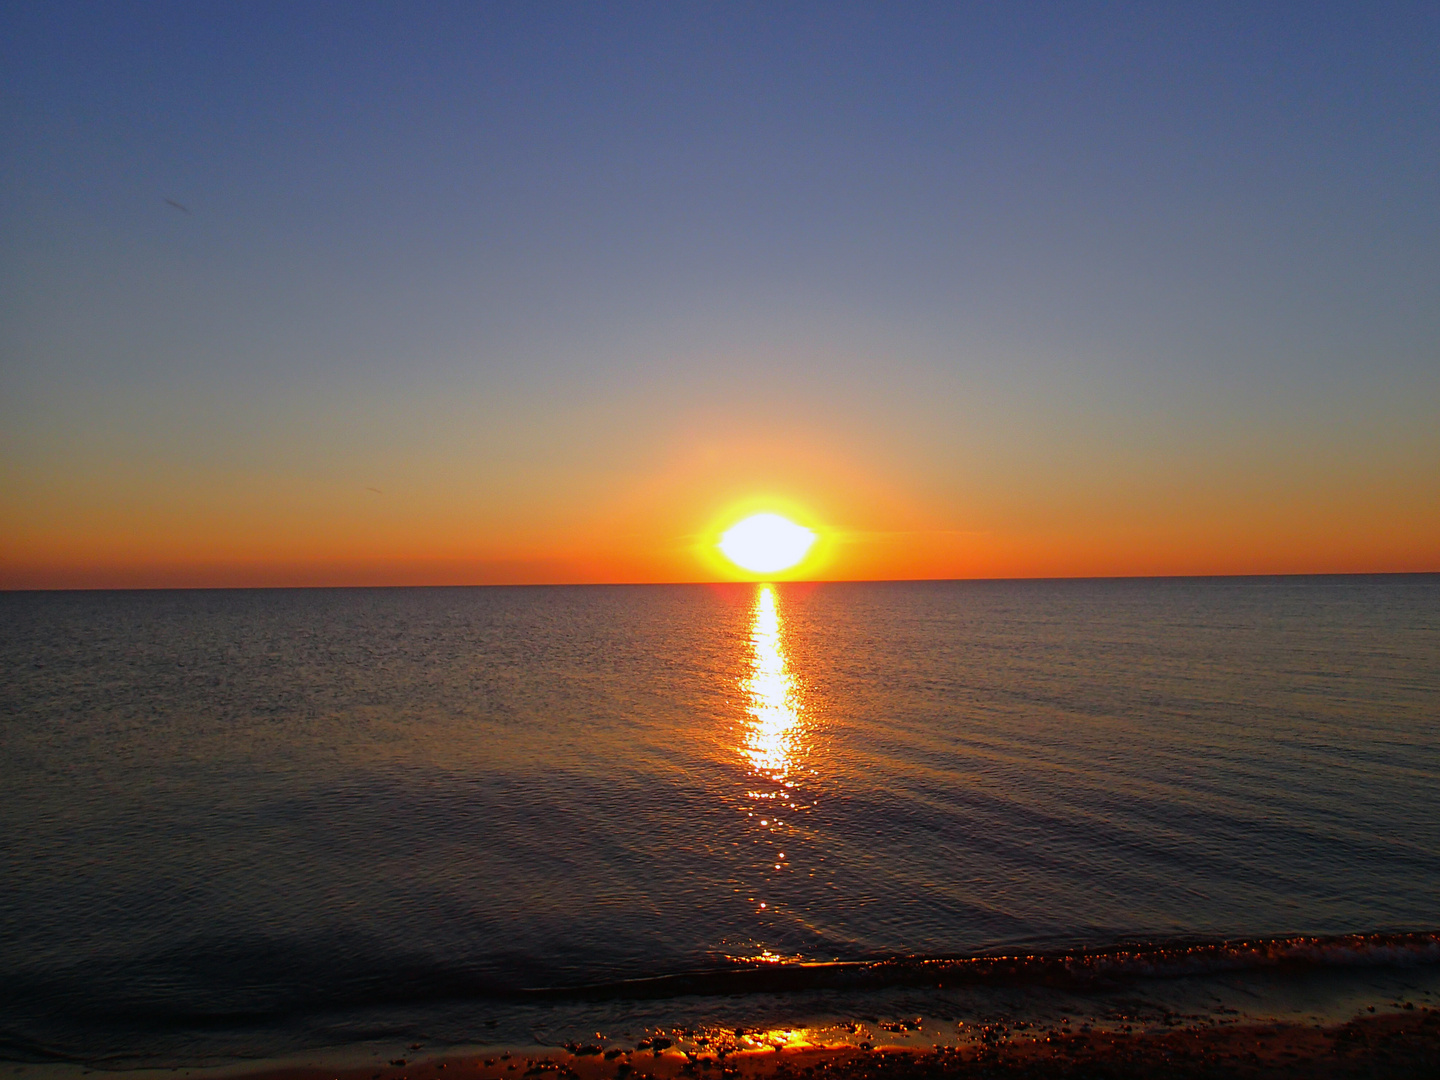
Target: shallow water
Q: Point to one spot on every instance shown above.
(258, 819)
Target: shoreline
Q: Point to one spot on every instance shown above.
(1400, 1043)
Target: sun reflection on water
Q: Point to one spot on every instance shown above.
(772, 705)
(771, 744)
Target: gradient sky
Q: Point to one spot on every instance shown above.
(551, 292)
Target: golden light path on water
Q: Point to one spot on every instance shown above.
(774, 711)
(771, 735)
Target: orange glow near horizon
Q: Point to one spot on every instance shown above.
(873, 519)
(257, 559)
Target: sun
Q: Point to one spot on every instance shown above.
(766, 543)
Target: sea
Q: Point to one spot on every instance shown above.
(244, 825)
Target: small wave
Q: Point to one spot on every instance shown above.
(1078, 968)
(50, 1020)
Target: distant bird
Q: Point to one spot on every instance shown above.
(376, 490)
(178, 206)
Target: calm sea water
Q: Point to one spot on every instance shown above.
(250, 821)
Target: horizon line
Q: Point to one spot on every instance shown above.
(753, 581)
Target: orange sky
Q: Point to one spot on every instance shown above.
(879, 516)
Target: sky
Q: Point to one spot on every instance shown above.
(390, 294)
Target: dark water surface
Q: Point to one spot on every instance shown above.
(258, 820)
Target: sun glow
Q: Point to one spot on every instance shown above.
(766, 543)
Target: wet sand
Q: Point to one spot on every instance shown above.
(1400, 1044)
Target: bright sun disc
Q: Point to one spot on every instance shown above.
(765, 543)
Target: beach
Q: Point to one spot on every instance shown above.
(1405, 1044)
(1398, 1041)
